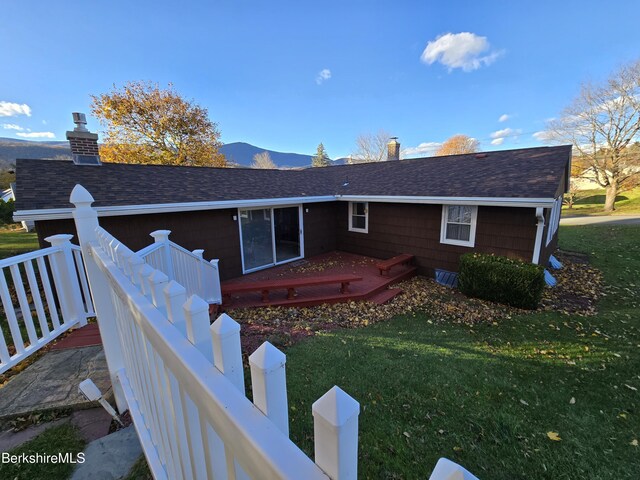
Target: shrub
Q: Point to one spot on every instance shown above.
(6, 212)
(501, 279)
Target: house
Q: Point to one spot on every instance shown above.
(503, 202)
(9, 194)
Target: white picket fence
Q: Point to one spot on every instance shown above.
(187, 268)
(26, 290)
(183, 382)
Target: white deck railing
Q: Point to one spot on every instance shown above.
(49, 284)
(189, 269)
(182, 379)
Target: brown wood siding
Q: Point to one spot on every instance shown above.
(319, 228)
(213, 230)
(396, 228)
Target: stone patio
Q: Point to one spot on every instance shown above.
(52, 382)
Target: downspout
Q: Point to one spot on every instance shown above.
(539, 231)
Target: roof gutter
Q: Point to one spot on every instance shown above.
(483, 201)
(120, 210)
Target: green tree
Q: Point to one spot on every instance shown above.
(321, 159)
(6, 177)
(147, 124)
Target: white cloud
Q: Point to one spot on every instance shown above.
(464, 50)
(8, 109)
(542, 136)
(12, 126)
(505, 132)
(499, 135)
(36, 135)
(504, 117)
(325, 74)
(425, 149)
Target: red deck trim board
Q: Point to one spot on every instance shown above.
(86, 336)
(334, 263)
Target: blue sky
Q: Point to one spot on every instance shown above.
(286, 75)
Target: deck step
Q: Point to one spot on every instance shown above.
(384, 296)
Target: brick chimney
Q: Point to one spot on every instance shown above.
(393, 149)
(84, 144)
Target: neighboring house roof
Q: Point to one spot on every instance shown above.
(6, 195)
(529, 173)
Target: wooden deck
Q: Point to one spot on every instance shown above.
(80, 337)
(373, 286)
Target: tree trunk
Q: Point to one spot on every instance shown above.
(610, 201)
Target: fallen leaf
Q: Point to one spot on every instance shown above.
(523, 402)
(554, 436)
(406, 434)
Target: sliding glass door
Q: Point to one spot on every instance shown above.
(270, 236)
(257, 238)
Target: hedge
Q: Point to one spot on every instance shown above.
(501, 279)
(6, 212)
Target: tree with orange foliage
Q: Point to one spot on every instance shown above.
(458, 144)
(147, 124)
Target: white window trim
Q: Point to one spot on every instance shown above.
(366, 218)
(554, 219)
(472, 233)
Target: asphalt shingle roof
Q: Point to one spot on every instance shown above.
(522, 173)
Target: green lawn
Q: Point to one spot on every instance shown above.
(487, 396)
(63, 439)
(591, 202)
(14, 241)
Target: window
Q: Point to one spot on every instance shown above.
(358, 217)
(459, 225)
(554, 219)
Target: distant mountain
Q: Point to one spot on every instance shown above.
(243, 153)
(238, 152)
(11, 148)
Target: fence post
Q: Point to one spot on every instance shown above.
(65, 278)
(162, 237)
(225, 335)
(202, 282)
(175, 296)
(269, 384)
(143, 276)
(196, 314)
(86, 220)
(135, 265)
(216, 291)
(158, 281)
(335, 431)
